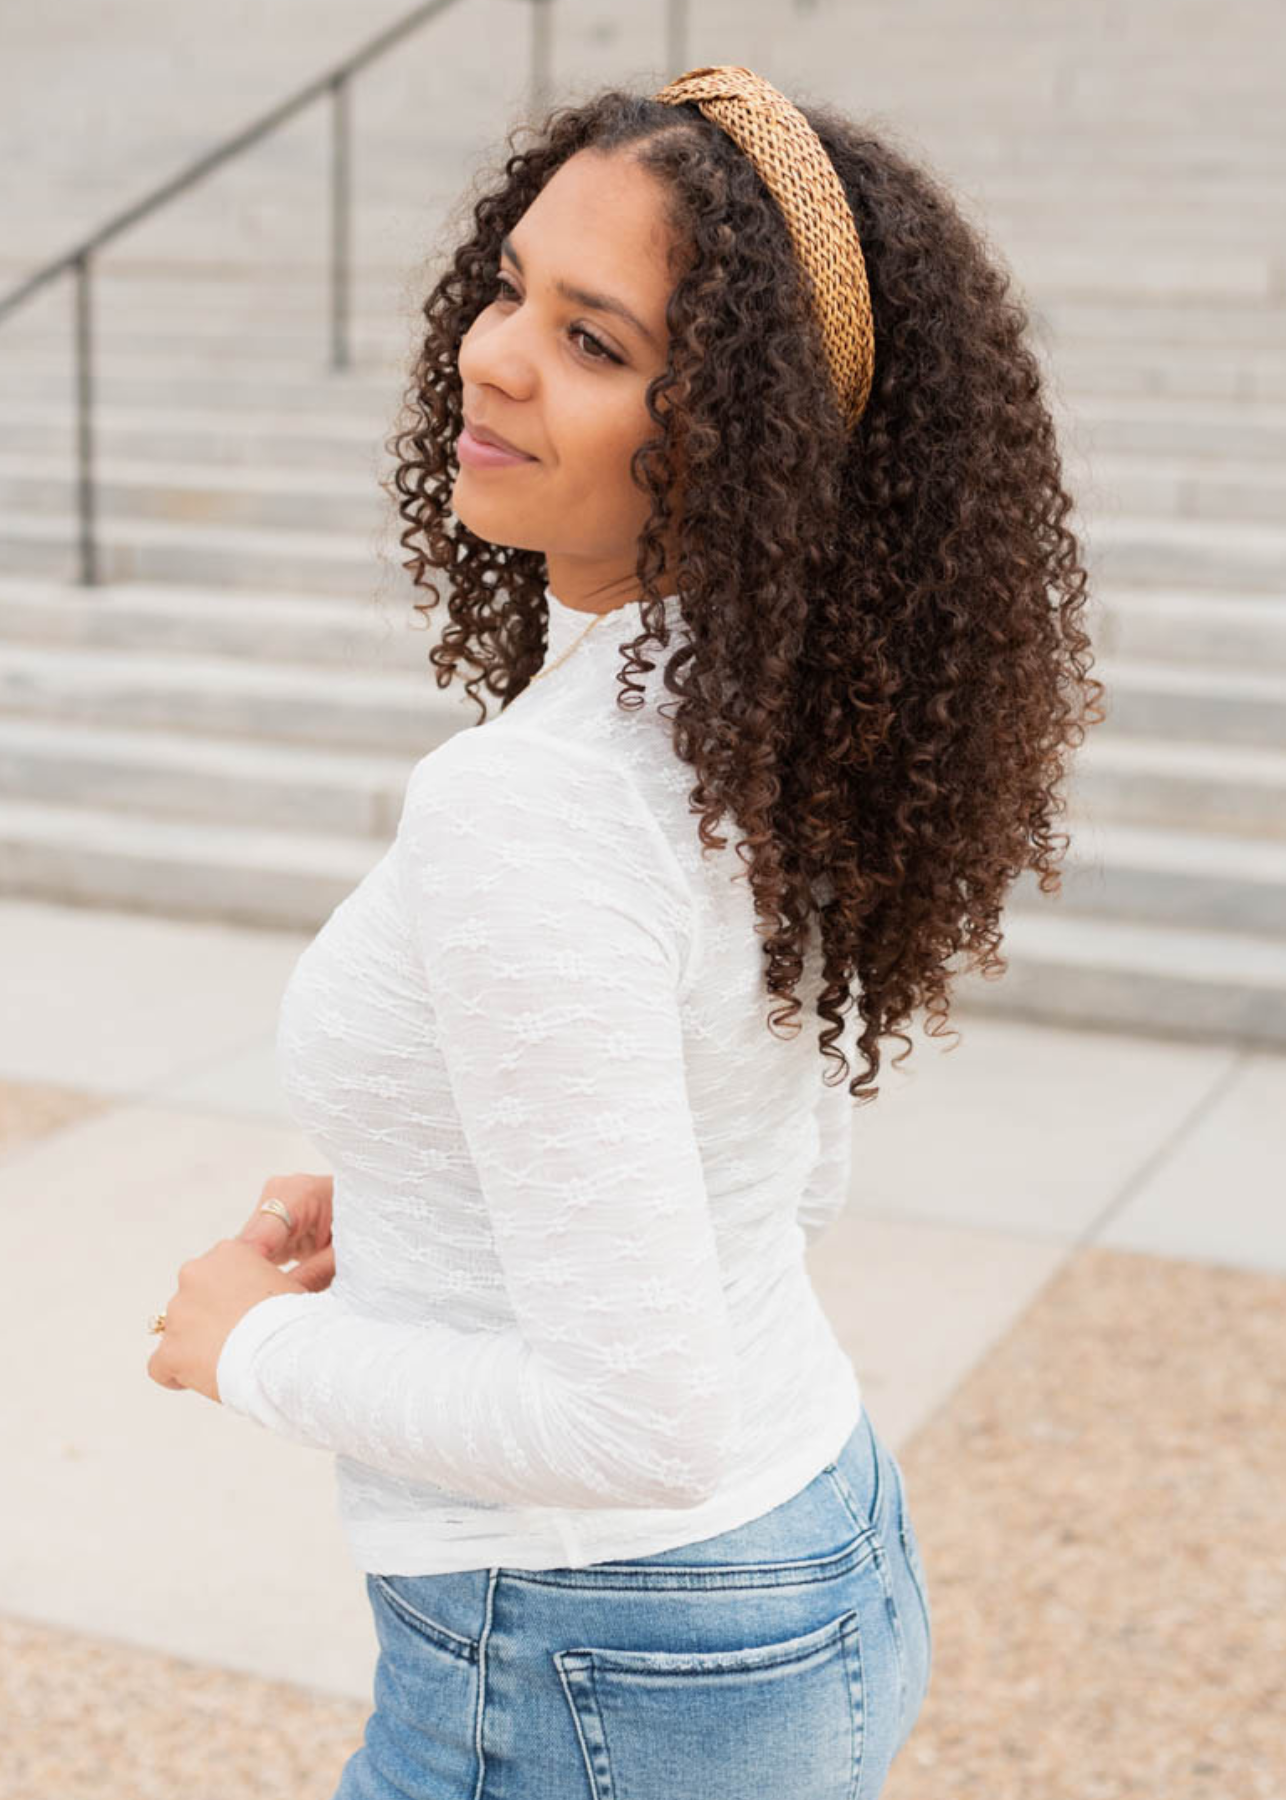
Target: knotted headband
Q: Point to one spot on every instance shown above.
(793, 163)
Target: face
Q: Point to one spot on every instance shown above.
(564, 378)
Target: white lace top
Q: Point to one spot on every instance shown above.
(574, 1171)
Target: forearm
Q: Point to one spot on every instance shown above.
(478, 1413)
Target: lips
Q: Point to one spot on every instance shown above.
(485, 435)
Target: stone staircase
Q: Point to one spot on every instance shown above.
(225, 728)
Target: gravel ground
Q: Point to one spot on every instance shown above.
(1099, 1507)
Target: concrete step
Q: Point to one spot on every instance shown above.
(1211, 630)
(1201, 635)
(159, 291)
(292, 294)
(257, 876)
(1184, 488)
(1126, 776)
(1165, 782)
(253, 371)
(1149, 248)
(186, 319)
(273, 226)
(350, 434)
(1129, 551)
(1114, 974)
(274, 498)
(1163, 150)
(1150, 322)
(395, 713)
(279, 495)
(1122, 782)
(295, 367)
(1065, 968)
(1022, 208)
(1122, 550)
(408, 184)
(142, 310)
(212, 555)
(345, 440)
(1163, 425)
(1162, 228)
(1167, 877)
(305, 386)
(297, 629)
(178, 775)
(285, 497)
(1219, 706)
(303, 380)
(149, 333)
(195, 319)
(1214, 629)
(1128, 369)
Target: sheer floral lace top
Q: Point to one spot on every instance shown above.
(575, 1173)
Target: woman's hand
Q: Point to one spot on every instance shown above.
(216, 1289)
(214, 1292)
(308, 1198)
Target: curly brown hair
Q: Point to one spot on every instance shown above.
(887, 665)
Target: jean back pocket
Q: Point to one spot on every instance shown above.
(780, 1718)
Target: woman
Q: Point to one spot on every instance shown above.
(626, 1527)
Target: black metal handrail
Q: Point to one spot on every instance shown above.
(336, 84)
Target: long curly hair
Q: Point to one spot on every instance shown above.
(886, 666)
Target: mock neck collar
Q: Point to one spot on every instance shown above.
(566, 623)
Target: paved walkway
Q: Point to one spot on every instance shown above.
(1059, 1277)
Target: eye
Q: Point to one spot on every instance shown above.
(507, 290)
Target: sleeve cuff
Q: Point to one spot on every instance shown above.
(234, 1374)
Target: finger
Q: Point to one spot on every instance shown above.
(269, 1233)
(156, 1369)
(318, 1271)
(308, 1200)
(305, 1242)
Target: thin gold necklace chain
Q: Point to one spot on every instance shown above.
(550, 667)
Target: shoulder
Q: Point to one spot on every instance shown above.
(536, 763)
(537, 785)
(532, 811)
(494, 776)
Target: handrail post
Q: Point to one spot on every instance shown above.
(542, 31)
(84, 423)
(676, 38)
(340, 223)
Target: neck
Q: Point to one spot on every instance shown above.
(567, 623)
(579, 593)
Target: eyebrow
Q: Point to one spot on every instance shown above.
(585, 297)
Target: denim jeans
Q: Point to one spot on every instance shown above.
(786, 1659)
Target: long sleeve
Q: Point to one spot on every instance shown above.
(555, 930)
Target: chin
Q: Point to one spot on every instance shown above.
(485, 515)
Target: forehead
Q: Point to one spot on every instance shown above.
(599, 221)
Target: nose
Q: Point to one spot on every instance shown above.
(493, 354)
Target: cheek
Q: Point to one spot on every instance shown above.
(602, 436)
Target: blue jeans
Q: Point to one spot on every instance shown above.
(788, 1658)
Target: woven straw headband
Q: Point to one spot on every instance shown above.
(793, 163)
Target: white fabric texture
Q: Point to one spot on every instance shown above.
(575, 1172)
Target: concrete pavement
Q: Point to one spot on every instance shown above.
(977, 1174)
